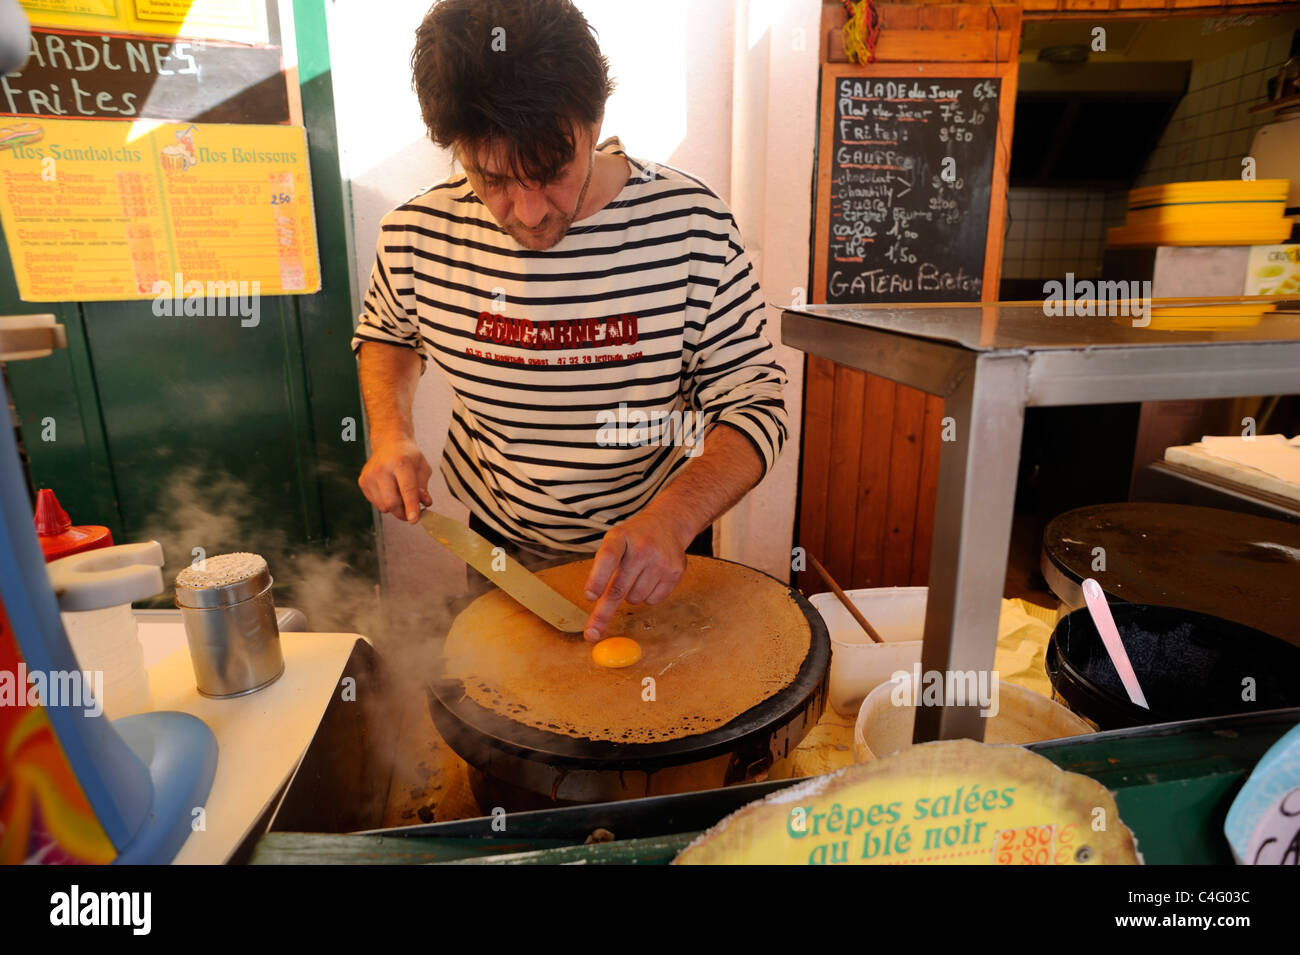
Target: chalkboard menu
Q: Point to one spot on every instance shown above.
(911, 171)
(194, 61)
(111, 76)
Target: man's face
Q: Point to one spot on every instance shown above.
(537, 215)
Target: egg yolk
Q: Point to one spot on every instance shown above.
(616, 652)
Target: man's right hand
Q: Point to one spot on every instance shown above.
(396, 479)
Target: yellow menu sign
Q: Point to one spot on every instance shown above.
(101, 211)
(949, 803)
(243, 21)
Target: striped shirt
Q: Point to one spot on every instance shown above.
(586, 374)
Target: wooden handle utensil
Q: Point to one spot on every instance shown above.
(844, 599)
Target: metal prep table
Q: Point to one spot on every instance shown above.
(989, 361)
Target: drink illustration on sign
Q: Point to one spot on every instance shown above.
(180, 155)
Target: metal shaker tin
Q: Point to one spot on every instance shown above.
(229, 617)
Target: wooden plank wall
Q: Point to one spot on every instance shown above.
(1070, 9)
(933, 32)
(869, 473)
(1037, 8)
(870, 457)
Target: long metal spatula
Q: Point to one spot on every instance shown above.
(516, 579)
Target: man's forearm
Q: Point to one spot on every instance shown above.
(710, 484)
(641, 560)
(396, 476)
(389, 375)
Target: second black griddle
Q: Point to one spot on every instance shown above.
(1236, 566)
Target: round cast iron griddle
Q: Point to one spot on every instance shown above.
(1236, 566)
(482, 737)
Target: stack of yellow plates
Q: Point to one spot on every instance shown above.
(1209, 317)
(1217, 212)
(1204, 317)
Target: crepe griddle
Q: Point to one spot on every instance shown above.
(1238, 567)
(529, 766)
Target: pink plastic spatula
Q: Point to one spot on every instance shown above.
(1099, 610)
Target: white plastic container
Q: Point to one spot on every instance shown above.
(95, 589)
(107, 642)
(1023, 716)
(858, 664)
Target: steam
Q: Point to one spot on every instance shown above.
(209, 509)
(201, 514)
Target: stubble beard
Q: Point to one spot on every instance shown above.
(555, 226)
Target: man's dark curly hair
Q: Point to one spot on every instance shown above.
(524, 97)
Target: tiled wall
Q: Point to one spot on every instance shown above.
(1054, 231)
(1211, 130)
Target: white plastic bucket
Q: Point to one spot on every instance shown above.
(858, 664)
(1023, 716)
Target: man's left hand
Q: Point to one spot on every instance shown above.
(640, 561)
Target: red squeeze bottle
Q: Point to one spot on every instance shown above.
(57, 535)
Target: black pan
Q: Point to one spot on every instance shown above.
(1190, 665)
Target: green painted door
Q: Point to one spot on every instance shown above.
(206, 433)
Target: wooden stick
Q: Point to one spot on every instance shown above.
(844, 599)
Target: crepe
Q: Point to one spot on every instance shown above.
(725, 640)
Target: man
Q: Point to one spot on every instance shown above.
(595, 315)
